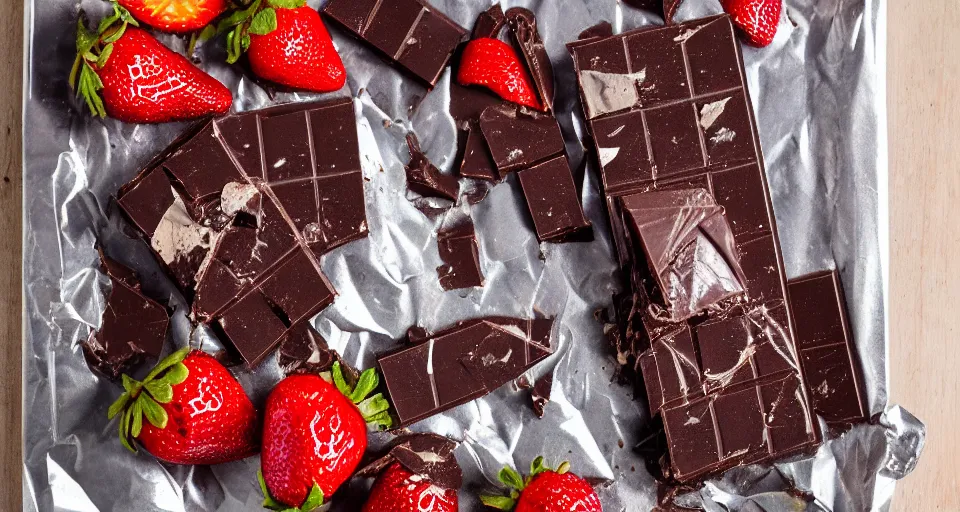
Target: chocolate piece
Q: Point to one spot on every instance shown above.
(460, 364)
(303, 349)
(553, 200)
(461, 258)
(476, 161)
(489, 23)
(132, 326)
(410, 33)
(240, 209)
(428, 455)
(689, 247)
(424, 178)
(827, 350)
(672, 124)
(668, 8)
(523, 28)
(600, 30)
(541, 393)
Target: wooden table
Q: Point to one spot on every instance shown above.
(924, 102)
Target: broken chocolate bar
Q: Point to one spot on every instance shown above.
(827, 350)
(132, 326)
(410, 33)
(424, 178)
(426, 454)
(241, 209)
(460, 364)
(461, 257)
(671, 121)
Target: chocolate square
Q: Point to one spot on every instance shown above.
(675, 139)
(287, 157)
(740, 423)
(240, 134)
(342, 211)
(519, 137)
(691, 437)
(146, 199)
(789, 424)
(353, 14)
(677, 364)
(299, 201)
(412, 396)
(419, 53)
(761, 267)
(194, 165)
(252, 327)
(727, 134)
(335, 146)
(817, 311)
(724, 352)
(391, 23)
(552, 199)
(714, 55)
(832, 383)
(298, 288)
(622, 150)
(740, 192)
(660, 59)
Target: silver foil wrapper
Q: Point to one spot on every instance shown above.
(819, 95)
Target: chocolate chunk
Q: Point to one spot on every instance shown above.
(460, 364)
(489, 23)
(411, 34)
(689, 246)
(424, 178)
(828, 354)
(541, 393)
(303, 349)
(600, 30)
(460, 256)
(553, 200)
(240, 210)
(132, 326)
(428, 455)
(519, 138)
(523, 28)
(476, 161)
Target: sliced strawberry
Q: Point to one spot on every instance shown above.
(175, 15)
(756, 19)
(495, 65)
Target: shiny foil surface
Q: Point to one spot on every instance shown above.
(819, 95)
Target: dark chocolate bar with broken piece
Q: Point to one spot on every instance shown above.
(459, 364)
(132, 326)
(411, 34)
(828, 354)
(241, 209)
(461, 257)
(424, 178)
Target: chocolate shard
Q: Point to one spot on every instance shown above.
(828, 353)
(460, 256)
(241, 208)
(523, 28)
(424, 178)
(476, 161)
(598, 31)
(303, 349)
(132, 327)
(460, 364)
(689, 247)
(411, 34)
(489, 23)
(520, 138)
(541, 393)
(428, 455)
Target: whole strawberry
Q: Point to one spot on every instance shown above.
(126, 73)
(314, 435)
(287, 43)
(494, 64)
(399, 490)
(195, 412)
(545, 490)
(756, 19)
(175, 15)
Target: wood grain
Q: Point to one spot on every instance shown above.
(924, 102)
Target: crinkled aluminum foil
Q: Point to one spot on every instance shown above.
(819, 95)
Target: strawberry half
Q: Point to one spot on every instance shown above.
(126, 73)
(287, 43)
(175, 15)
(756, 19)
(314, 435)
(195, 411)
(399, 490)
(545, 490)
(495, 65)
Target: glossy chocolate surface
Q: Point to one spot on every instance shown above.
(460, 256)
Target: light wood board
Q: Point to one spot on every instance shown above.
(924, 102)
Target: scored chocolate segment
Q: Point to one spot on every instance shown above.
(460, 364)
(827, 350)
(240, 210)
(553, 200)
(460, 256)
(411, 33)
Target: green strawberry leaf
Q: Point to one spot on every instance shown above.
(118, 406)
(104, 56)
(380, 422)
(509, 477)
(245, 42)
(176, 374)
(563, 467)
(129, 384)
(373, 405)
(365, 385)
(155, 414)
(169, 361)
(115, 36)
(136, 414)
(314, 499)
(90, 86)
(339, 381)
(286, 4)
(125, 431)
(160, 391)
(86, 40)
(498, 502)
(264, 22)
(537, 466)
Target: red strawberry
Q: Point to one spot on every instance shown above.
(287, 43)
(175, 15)
(757, 19)
(545, 490)
(314, 435)
(398, 490)
(196, 412)
(140, 80)
(494, 64)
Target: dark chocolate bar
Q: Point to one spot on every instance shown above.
(460, 256)
(440, 371)
(828, 354)
(241, 210)
(132, 327)
(671, 122)
(410, 33)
